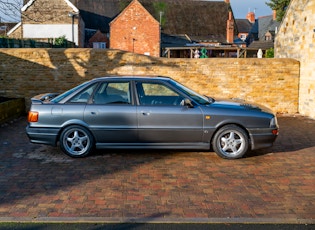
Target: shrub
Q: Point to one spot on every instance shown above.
(61, 41)
(270, 53)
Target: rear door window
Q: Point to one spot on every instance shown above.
(113, 93)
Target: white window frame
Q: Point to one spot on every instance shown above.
(99, 45)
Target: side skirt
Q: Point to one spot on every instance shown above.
(202, 146)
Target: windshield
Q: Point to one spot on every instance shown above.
(203, 100)
(67, 93)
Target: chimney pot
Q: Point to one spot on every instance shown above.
(251, 17)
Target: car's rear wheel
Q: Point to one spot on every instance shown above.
(76, 141)
(230, 142)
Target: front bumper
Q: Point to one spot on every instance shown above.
(42, 135)
(262, 138)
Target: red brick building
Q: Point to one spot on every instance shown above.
(168, 28)
(136, 30)
(99, 41)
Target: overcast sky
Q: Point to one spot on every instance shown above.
(240, 9)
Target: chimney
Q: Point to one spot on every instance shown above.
(227, 1)
(251, 17)
(230, 29)
(274, 15)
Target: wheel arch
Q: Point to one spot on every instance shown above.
(74, 122)
(221, 125)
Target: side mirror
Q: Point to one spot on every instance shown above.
(187, 102)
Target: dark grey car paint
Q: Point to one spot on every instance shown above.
(150, 126)
(112, 123)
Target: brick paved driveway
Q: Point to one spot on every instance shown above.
(39, 183)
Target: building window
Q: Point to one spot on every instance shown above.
(243, 37)
(268, 36)
(99, 45)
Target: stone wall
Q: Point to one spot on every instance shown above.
(296, 39)
(47, 12)
(45, 20)
(10, 109)
(272, 82)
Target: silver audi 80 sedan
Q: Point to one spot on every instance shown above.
(132, 112)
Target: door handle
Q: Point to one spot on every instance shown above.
(146, 113)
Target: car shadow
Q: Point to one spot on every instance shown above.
(29, 170)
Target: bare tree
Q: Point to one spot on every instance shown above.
(10, 10)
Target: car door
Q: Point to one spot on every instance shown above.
(162, 118)
(111, 115)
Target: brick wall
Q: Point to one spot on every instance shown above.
(296, 39)
(272, 82)
(135, 30)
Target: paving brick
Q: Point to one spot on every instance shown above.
(39, 181)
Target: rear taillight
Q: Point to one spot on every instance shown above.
(275, 132)
(32, 116)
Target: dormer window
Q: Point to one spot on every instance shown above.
(243, 37)
(268, 36)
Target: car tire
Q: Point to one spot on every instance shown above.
(76, 141)
(230, 142)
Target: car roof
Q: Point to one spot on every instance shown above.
(130, 77)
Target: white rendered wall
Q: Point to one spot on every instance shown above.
(50, 31)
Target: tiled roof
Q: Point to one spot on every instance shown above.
(263, 25)
(266, 24)
(172, 41)
(97, 14)
(243, 25)
(264, 45)
(194, 18)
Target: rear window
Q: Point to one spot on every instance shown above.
(69, 92)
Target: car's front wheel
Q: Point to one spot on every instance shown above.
(76, 141)
(230, 142)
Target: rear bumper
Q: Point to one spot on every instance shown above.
(42, 135)
(262, 138)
